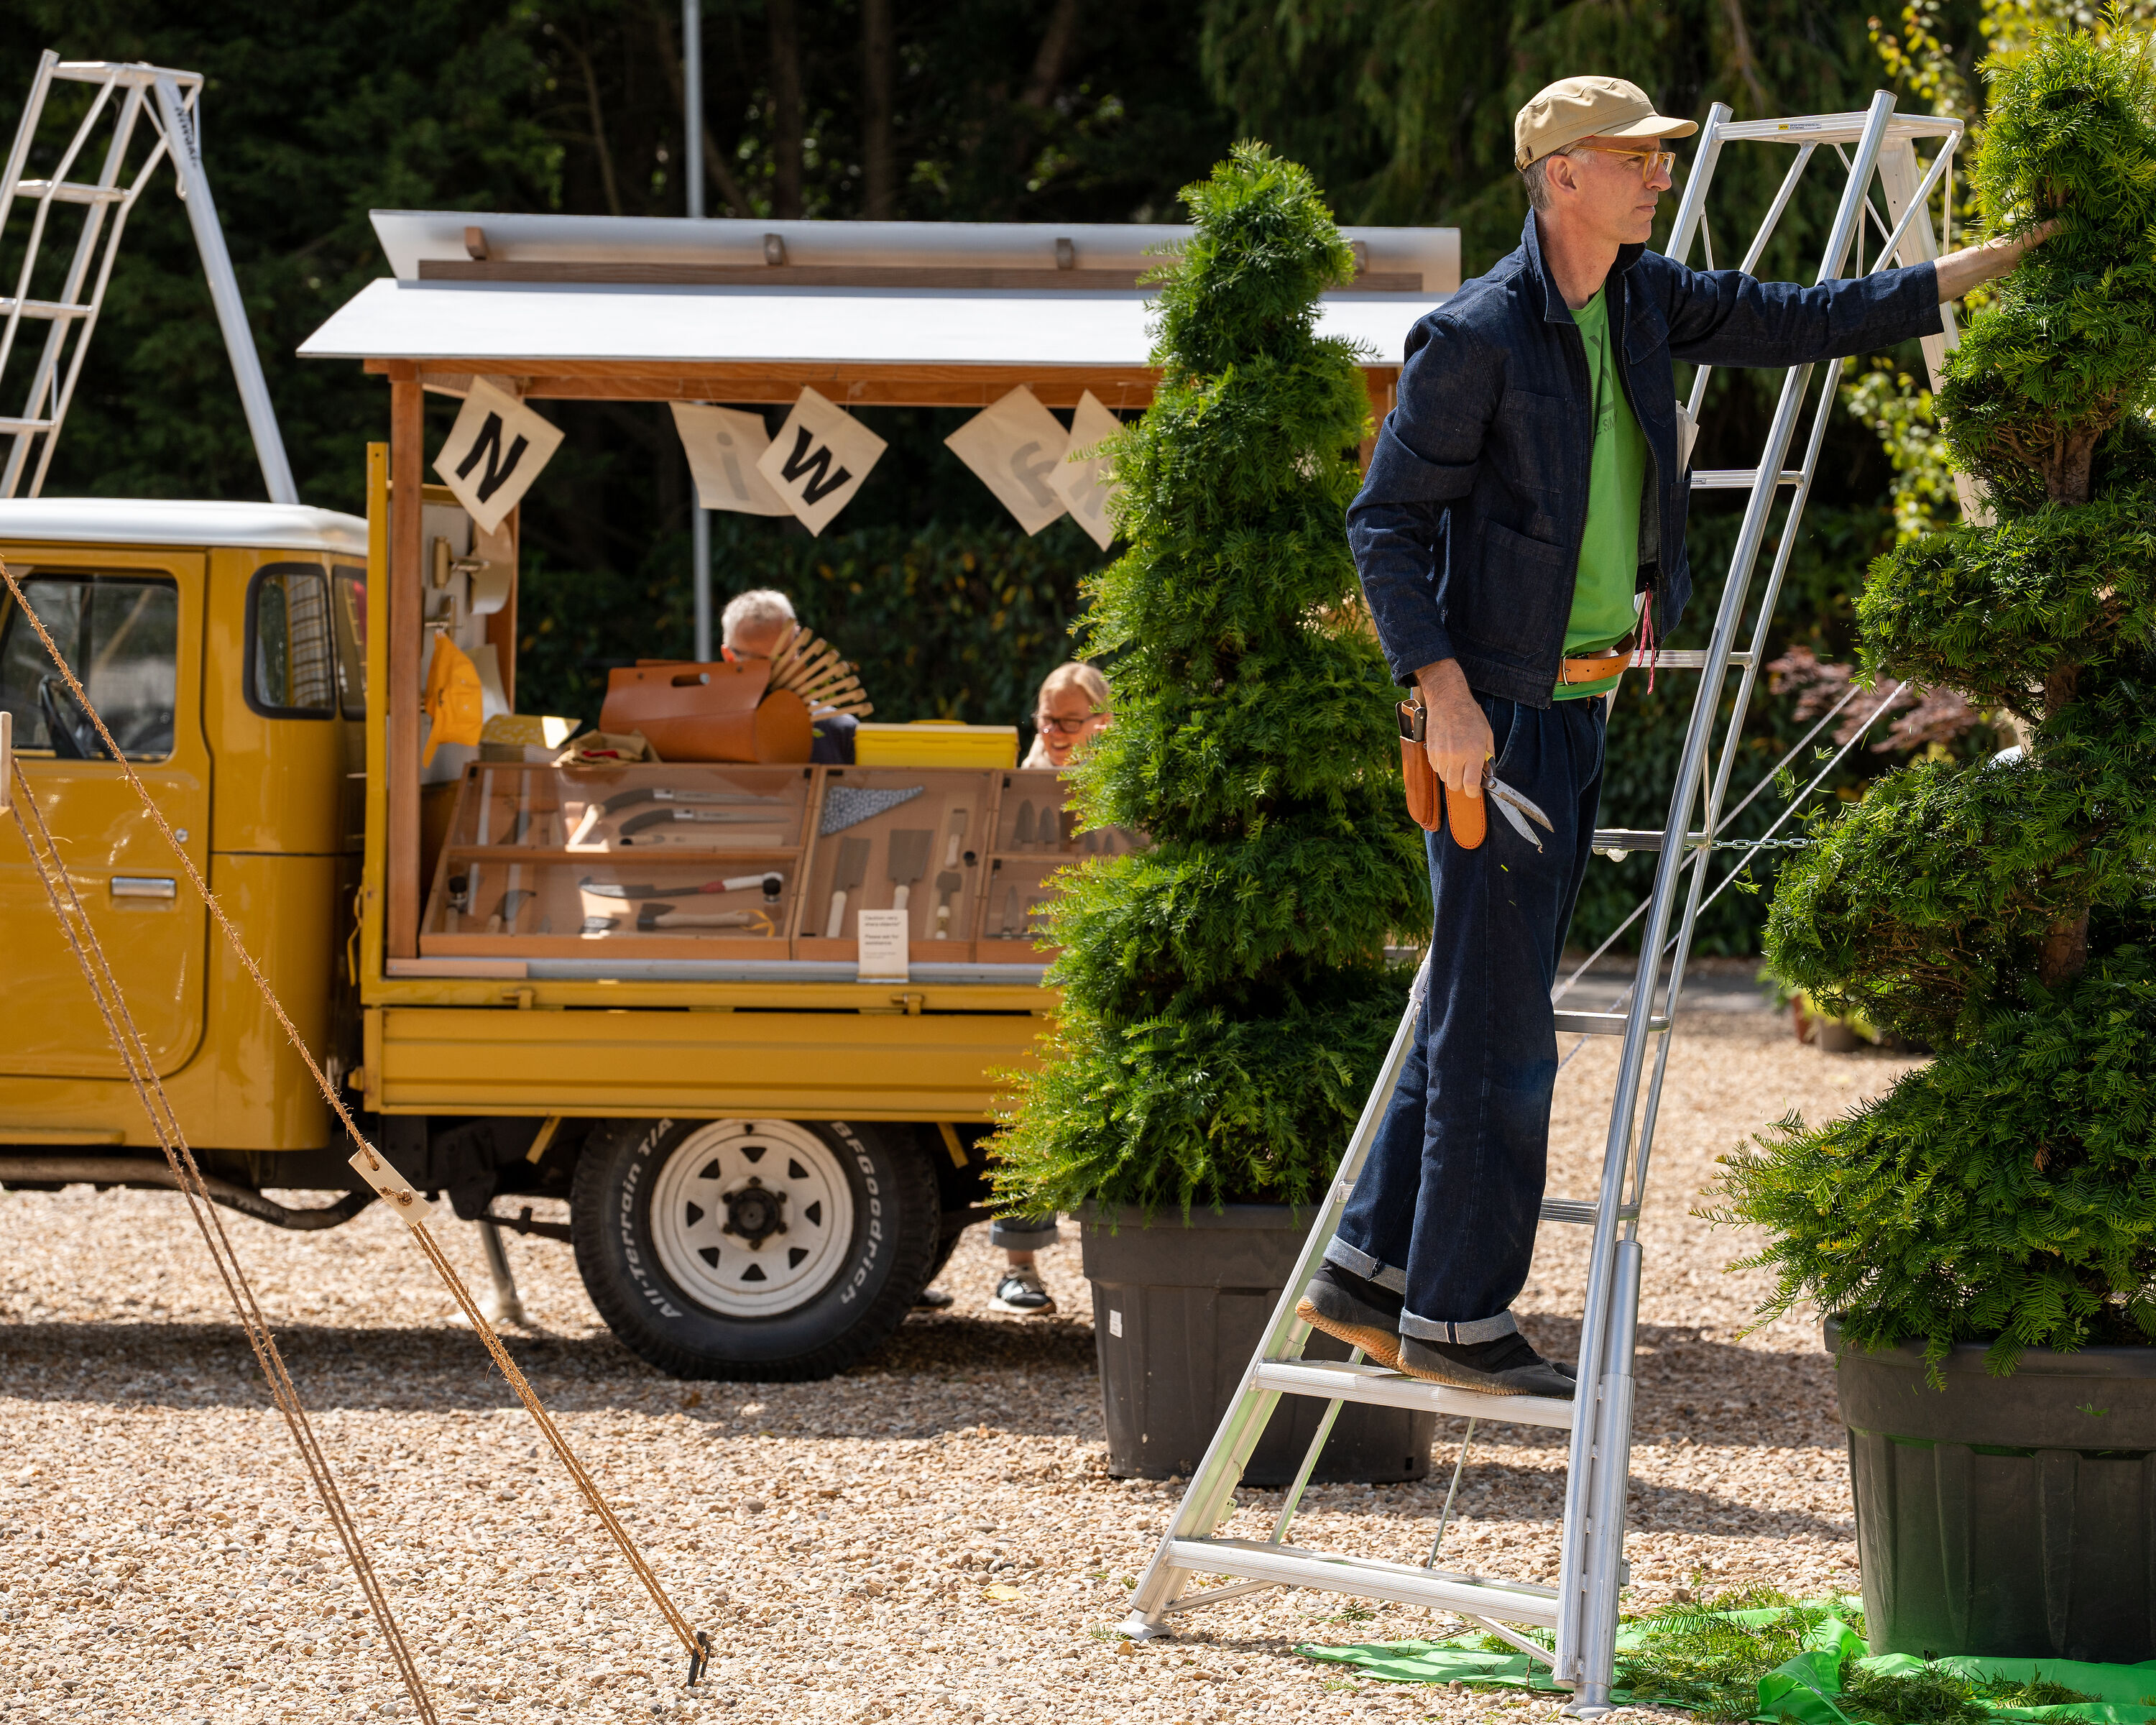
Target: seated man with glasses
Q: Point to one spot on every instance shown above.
(755, 625)
(1519, 528)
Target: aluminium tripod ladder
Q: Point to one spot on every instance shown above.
(1581, 1610)
(125, 95)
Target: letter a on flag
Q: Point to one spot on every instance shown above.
(1014, 448)
(723, 445)
(818, 459)
(496, 449)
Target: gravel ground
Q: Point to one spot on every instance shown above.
(933, 1536)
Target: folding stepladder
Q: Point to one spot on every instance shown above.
(1581, 1610)
(124, 97)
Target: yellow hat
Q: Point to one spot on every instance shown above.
(1576, 108)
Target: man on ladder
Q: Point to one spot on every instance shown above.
(1521, 530)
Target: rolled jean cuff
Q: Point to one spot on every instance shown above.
(1024, 1234)
(1466, 1335)
(1360, 1263)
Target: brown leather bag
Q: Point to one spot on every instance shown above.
(709, 713)
(1428, 805)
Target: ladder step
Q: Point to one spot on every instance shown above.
(1601, 1024)
(50, 311)
(71, 192)
(1340, 1382)
(1681, 659)
(1367, 1577)
(1639, 839)
(1736, 479)
(19, 426)
(1581, 1210)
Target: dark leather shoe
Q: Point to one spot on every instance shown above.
(1333, 1304)
(1509, 1366)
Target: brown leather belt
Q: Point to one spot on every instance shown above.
(1596, 666)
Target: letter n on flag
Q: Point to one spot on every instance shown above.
(818, 459)
(496, 449)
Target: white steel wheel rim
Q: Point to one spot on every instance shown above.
(723, 1271)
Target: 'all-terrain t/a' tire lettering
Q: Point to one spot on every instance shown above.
(758, 1249)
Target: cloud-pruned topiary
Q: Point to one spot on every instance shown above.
(1226, 1001)
(2005, 911)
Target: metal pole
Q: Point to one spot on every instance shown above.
(225, 291)
(692, 151)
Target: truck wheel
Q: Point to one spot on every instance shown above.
(769, 1250)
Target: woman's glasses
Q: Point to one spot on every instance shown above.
(1651, 161)
(1065, 727)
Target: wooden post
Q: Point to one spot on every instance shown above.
(407, 458)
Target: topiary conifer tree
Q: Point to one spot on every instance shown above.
(1226, 1001)
(2003, 910)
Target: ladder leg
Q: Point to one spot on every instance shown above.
(1612, 1466)
(1293, 1500)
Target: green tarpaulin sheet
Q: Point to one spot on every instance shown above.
(1805, 1689)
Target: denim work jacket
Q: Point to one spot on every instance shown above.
(1466, 532)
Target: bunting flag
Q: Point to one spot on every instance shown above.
(723, 446)
(496, 449)
(1086, 482)
(1015, 449)
(818, 459)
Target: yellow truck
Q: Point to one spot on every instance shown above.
(639, 987)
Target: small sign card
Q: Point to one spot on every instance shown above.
(723, 445)
(496, 449)
(1087, 485)
(818, 459)
(883, 945)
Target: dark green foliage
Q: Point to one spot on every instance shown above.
(1225, 997)
(2069, 343)
(2002, 910)
(1991, 610)
(2005, 1192)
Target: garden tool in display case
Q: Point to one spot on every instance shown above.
(906, 819)
(1036, 837)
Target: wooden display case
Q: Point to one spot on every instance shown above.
(691, 860)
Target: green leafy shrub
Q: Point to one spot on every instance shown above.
(2001, 910)
(1226, 1001)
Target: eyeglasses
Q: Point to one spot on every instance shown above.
(1065, 727)
(1651, 161)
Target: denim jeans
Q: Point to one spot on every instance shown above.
(1445, 1211)
(1024, 1234)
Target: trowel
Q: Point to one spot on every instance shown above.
(851, 868)
(909, 861)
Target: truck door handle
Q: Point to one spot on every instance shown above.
(162, 886)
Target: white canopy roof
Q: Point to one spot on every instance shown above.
(513, 326)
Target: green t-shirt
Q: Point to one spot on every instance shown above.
(1603, 613)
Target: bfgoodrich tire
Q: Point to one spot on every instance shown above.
(769, 1250)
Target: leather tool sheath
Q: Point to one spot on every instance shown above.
(1430, 805)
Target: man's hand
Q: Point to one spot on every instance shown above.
(1973, 265)
(1456, 735)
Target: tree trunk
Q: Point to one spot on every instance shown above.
(2065, 951)
(879, 154)
(2067, 473)
(1054, 49)
(786, 108)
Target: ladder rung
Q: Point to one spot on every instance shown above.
(1369, 1577)
(1736, 479)
(51, 310)
(22, 425)
(1639, 839)
(1681, 659)
(1581, 1210)
(1601, 1024)
(1340, 1382)
(71, 192)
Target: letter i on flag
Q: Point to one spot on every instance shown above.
(496, 449)
(818, 459)
(723, 445)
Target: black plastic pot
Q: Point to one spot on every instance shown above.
(2012, 1517)
(1178, 1311)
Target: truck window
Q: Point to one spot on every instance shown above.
(348, 589)
(120, 633)
(291, 654)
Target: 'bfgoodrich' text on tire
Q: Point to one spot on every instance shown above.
(765, 1250)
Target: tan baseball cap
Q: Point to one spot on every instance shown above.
(1576, 108)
